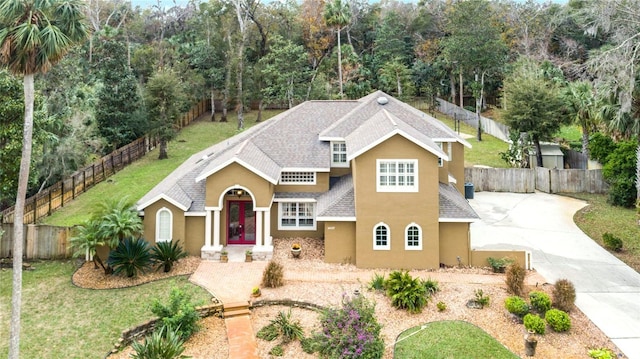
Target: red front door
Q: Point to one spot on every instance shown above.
(241, 226)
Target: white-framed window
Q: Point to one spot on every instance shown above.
(381, 237)
(164, 225)
(306, 177)
(297, 216)
(413, 237)
(339, 154)
(397, 175)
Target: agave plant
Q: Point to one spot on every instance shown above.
(167, 253)
(130, 257)
(163, 343)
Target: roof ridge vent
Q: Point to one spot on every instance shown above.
(382, 100)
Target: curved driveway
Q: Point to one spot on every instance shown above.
(608, 291)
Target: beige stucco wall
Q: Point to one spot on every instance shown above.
(479, 257)
(235, 174)
(454, 243)
(149, 221)
(391, 208)
(194, 235)
(322, 185)
(340, 242)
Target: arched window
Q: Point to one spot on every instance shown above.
(164, 225)
(413, 237)
(381, 237)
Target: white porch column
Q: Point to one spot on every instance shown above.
(207, 229)
(267, 228)
(216, 228)
(259, 241)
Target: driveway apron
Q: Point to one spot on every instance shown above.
(607, 290)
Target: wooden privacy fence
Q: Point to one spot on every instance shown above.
(40, 242)
(495, 129)
(526, 180)
(56, 196)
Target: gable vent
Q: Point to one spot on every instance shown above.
(383, 100)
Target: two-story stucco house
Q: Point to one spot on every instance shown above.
(377, 180)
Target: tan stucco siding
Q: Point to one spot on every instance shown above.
(443, 172)
(194, 235)
(339, 171)
(281, 233)
(235, 174)
(149, 222)
(340, 242)
(392, 209)
(456, 166)
(454, 243)
(321, 185)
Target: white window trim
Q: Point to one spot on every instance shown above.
(450, 151)
(406, 237)
(397, 188)
(297, 227)
(384, 247)
(339, 164)
(440, 160)
(158, 239)
(298, 183)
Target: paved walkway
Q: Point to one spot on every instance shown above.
(607, 290)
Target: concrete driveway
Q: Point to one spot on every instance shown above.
(607, 290)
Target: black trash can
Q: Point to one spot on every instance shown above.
(468, 190)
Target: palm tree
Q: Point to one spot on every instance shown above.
(34, 35)
(582, 105)
(337, 14)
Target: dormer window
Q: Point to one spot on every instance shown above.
(339, 154)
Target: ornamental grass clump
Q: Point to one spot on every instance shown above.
(564, 295)
(351, 331)
(273, 275)
(515, 276)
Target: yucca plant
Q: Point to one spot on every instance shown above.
(165, 254)
(130, 257)
(162, 344)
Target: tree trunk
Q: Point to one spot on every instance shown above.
(536, 142)
(585, 140)
(452, 84)
(340, 64)
(638, 172)
(260, 108)
(240, 100)
(163, 149)
(213, 105)
(18, 219)
(461, 90)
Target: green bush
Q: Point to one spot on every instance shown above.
(164, 343)
(406, 292)
(165, 254)
(441, 306)
(602, 353)
(269, 332)
(515, 279)
(558, 320)
(481, 299)
(377, 282)
(130, 257)
(277, 351)
(516, 305)
(535, 323)
(180, 313)
(310, 345)
(431, 286)
(273, 275)
(564, 295)
(612, 242)
(619, 170)
(540, 301)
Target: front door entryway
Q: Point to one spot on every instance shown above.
(241, 223)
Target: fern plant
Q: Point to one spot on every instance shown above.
(130, 257)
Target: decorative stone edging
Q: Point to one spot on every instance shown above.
(135, 333)
(287, 303)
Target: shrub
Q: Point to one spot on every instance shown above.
(165, 254)
(535, 323)
(377, 282)
(481, 299)
(515, 279)
(431, 286)
(351, 331)
(310, 345)
(612, 242)
(441, 306)
(180, 313)
(286, 327)
(540, 301)
(162, 344)
(499, 264)
(273, 275)
(277, 351)
(558, 320)
(130, 257)
(564, 295)
(269, 332)
(406, 292)
(516, 305)
(601, 353)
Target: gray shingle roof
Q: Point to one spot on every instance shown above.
(453, 205)
(339, 201)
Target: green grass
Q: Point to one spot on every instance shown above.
(140, 177)
(485, 152)
(570, 133)
(600, 217)
(449, 339)
(60, 320)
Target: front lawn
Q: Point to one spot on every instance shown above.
(600, 217)
(449, 339)
(60, 320)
